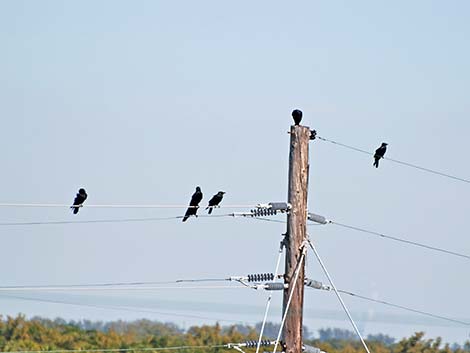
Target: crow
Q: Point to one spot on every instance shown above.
(193, 204)
(79, 200)
(379, 153)
(297, 115)
(215, 200)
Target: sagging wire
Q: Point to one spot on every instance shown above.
(319, 285)
(397, 161)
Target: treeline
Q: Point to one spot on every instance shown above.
(39, 334)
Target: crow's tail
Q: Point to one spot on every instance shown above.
(210, 210)
(186, 215)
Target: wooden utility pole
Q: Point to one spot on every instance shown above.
(296, 234)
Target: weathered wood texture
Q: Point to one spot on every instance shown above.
(296, 233)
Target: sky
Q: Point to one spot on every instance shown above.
(139, 102)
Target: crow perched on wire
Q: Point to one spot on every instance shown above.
(297, 115)
(215, 200)
(193, 204)
(79, 200)
(379, 153)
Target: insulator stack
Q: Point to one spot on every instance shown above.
(252, 344)
(261, 212)
(260, 277)
(270, 209)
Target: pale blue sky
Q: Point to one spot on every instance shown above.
(141, 101)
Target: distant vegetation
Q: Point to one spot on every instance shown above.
(21, 334)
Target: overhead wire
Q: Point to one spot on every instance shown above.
(317, 255)
(120, 288)
(404, 307)
(268, 220)
(429, 247)
(115, 220)
(62, 205)
(14, 288)
(397, 161)
(153, 219)
(110, 284)
(131, 220)
(319, 286)
(202, 280)
(115, 284)
(147, 219)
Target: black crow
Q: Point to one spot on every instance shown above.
(79, 200)
(194, 204)
(215, 200)
(297, 115)
(379, 153)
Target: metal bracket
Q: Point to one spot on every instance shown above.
(238, 349)
(283, 242)
(313, 134)
(304, 244)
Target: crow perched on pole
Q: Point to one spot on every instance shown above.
(379, 153)
(297, 115)
(79, 200)
(193, 204)
(215, 200)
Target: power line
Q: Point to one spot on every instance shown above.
(203, 280)
(115, 284)
(94, 289)
(405, 308)
(268, 220)
(321, 286)
(131, 220)
(150, 285)
(122, 308)
(338, 295)
(401, 240)
(115, 220)
(61, 205)
(111, 284)
(154, 219)
(397, 161)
